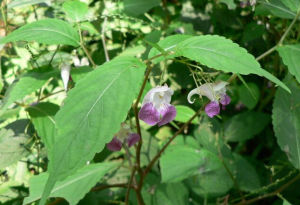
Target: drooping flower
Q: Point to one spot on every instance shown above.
(216, 93)
(65, 75)
(123, 136)
(83, 62)
(156, 107)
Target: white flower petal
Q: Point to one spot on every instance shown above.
(213, 91)
(158, 95)
(84, 62)
(65, 75)
(76, 61)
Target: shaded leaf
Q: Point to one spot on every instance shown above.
(276, 8)
(249, 97)
(23, 3)
(27, 84)
(286, 120)
(42, 117)
(12, 147)
(135, 8)
(245, 125)
(290, 55)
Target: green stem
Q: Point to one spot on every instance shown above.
(84, 48)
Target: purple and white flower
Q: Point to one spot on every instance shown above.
(156, 107)
(123, 136)
(216, 93)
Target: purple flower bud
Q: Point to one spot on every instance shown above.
(114, 145)
(132, 139)
(212, 109)
(225, 100)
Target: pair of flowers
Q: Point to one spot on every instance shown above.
(156, 109)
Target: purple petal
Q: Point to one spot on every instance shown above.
(132, 139)
(225, 100)
(212, 109)
(114, 145)
(149, 114)
(168, 114)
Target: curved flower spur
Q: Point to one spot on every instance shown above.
(216, 93)
(156, 107)
(123, 136)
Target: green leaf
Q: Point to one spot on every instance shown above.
(136, 8)
(248, 99)
(166, 194)
(184, 113)
(207, 135)
(180, 162)
(290, 55)
(92, 114)
(12, 147)
(23, 3)
(294, 5)
(75, 10)
(48, 31)
(74, 187)
(286, 120)
(221, 54)
(27, 84)
(42, 117)
(78, 73)
(230, 3)
(245, 125)
(168, 44)
(245, 174)
(276, 8)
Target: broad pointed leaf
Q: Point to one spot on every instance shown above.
(92, 114)
(48, 31)
(74, 187)
(222, 54)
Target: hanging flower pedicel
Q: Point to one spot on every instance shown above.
(123, 136)
(156, 107)
(216, 93)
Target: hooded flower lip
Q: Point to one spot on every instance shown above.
(216, 93)
(65, 75)
(123, 136)
(156, 107)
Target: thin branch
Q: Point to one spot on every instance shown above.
(129, 185)
(104, 39)
(274, 193)
(84, 48)
(50, 94)
(135, 107)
